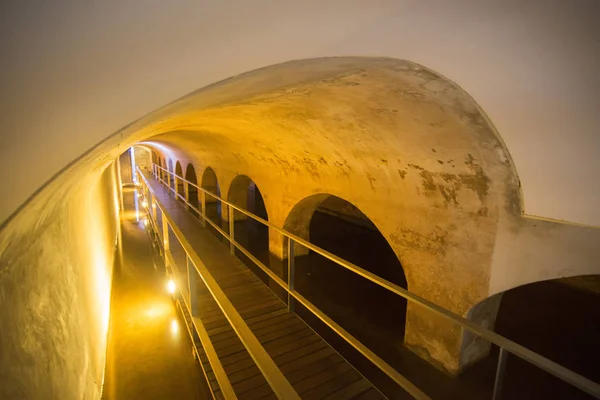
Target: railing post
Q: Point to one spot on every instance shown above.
(231, 232)
(191, 273)
(165, 228)
(291, 274)
(186, 193)
(203, 208)
(499, 374)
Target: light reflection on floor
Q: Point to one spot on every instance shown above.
(149, 355)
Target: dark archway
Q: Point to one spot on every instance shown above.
(154, 161)
(190, 176)
(559, 319)
(251, 234)
(161, 173)
(212, 205)
(170, 175)
(179, 186)
(372, 314)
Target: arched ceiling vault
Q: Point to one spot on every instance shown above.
(406, 146)
(380, 119)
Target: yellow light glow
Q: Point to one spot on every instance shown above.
(145, 204)
(145, 221)
(158, 310)
(174, 327)
(171, 286)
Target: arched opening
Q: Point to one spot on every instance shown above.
(251, 234)
(170, 175)
(143, 158)
(154, 161)
(190, 176)
(372, 314)
(558, 319)
(179, 186)
(161, 164)
(212, 205)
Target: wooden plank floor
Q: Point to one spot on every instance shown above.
(313, 368)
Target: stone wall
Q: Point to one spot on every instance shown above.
(56, 259)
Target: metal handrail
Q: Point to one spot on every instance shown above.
(211, 354)
(213, 359)
(506, 345)
(273, 375)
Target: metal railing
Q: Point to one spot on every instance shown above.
(274, 377)
(505, 345)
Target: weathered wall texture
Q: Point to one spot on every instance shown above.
(534, 250)
(69, 81)
(56, 261)
(407, 147)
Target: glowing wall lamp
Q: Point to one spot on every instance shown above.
(171, 286)
(174, 327)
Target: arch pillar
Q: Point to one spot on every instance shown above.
(432, 337)
(237, 194)
(209, 205)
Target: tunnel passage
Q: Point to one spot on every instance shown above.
(427, 131)
(192, 191)
(251, 234)
(372, 314)
(179, 185)
(211, 184)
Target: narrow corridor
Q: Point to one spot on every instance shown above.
(149, 355)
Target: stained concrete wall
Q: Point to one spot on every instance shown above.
(405, 145)
(69, 82)
(535, 250)
(56, 260)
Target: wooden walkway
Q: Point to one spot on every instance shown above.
(312, 367)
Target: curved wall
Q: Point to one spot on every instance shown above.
(389, 136)
(56, 262)
(68, 82)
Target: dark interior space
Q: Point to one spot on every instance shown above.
(559, 321)
(251, 234)
(179, 183)
(213, 206)
(190, 176)
(351, 300)
(170, 168)
(356, 304)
